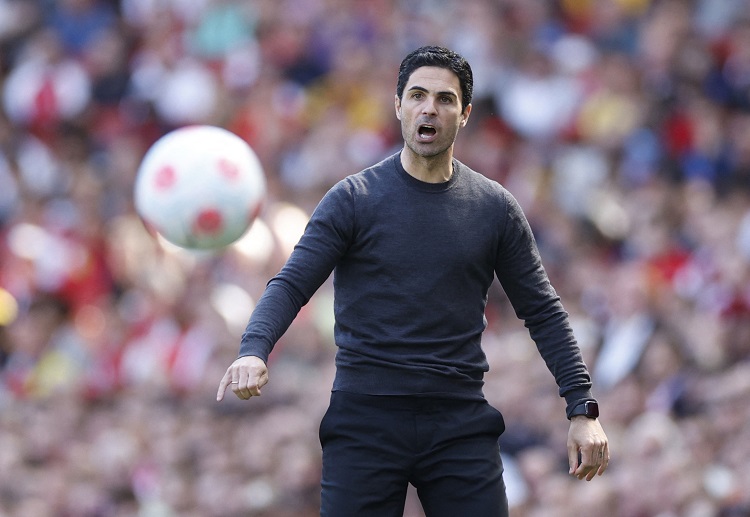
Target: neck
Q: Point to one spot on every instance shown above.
(430, 169)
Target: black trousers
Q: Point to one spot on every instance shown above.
(374, 446)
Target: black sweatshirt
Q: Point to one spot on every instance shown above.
(413, 263)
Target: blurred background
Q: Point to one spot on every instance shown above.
(622, 126)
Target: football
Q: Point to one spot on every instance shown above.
(199, 187)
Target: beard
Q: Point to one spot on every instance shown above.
(427, 149)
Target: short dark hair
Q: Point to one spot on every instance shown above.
(440, 57)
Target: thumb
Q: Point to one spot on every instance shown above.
(574, 458)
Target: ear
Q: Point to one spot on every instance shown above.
(398, 107)
(465, 115)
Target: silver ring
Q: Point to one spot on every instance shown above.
(235, 382)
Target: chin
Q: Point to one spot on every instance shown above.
(427, 150)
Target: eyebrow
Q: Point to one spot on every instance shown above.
(425, 90)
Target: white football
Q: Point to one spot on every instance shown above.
(200, 187)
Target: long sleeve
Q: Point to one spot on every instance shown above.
(521, 273)
(322, 244)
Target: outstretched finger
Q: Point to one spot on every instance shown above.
(223, 385)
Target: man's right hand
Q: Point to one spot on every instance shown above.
(246, 376)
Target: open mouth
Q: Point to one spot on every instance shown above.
(426, 131)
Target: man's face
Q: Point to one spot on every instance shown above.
(430, 111)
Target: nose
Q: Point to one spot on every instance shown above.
(429, 107)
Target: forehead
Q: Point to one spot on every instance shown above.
(433, 78)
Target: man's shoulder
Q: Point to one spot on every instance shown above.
(387, 164)
(372, 174)
(478, 179)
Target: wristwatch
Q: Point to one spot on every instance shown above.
(589, 409)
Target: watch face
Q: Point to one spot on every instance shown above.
(592, 409)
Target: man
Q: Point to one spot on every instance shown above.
(415, 242)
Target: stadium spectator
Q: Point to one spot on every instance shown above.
(651, 143)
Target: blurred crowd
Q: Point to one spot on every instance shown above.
(622, 126)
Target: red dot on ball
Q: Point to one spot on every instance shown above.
(229, 169)
(165, 177)
(209, 221)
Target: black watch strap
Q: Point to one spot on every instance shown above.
(589, 409)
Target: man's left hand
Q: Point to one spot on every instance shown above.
(588, 448)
